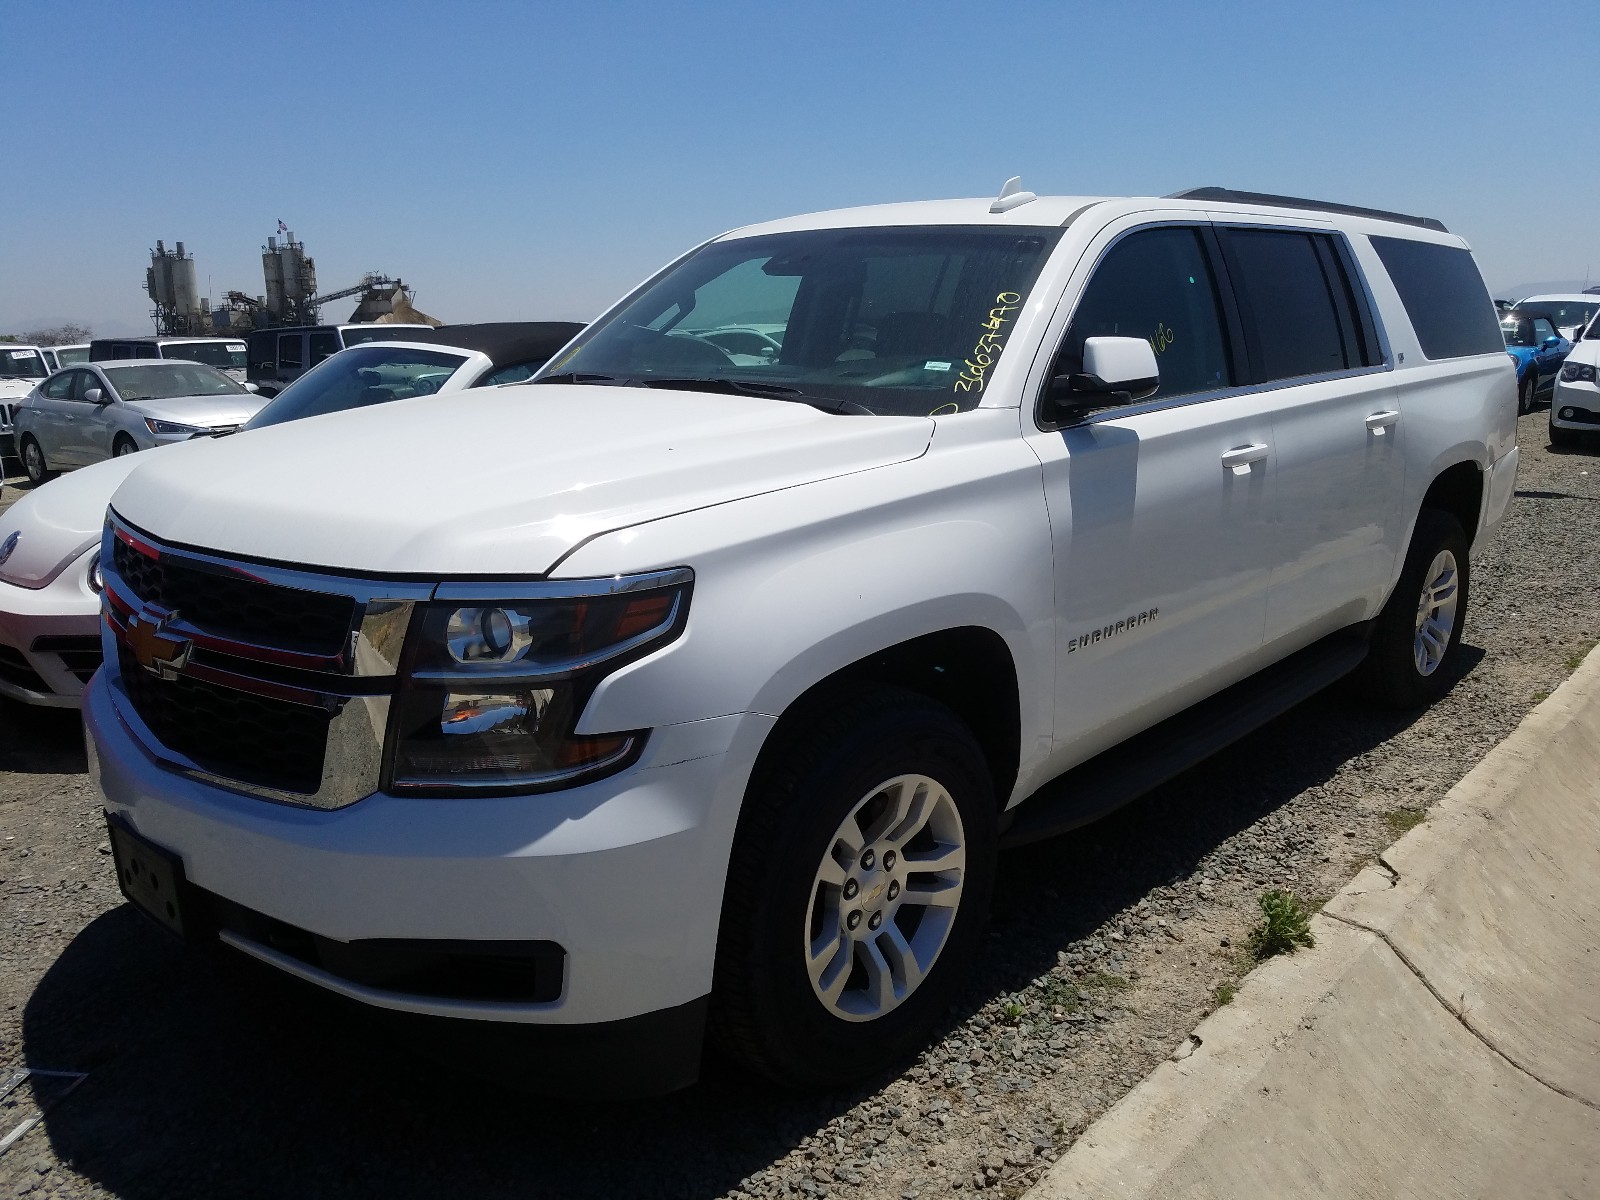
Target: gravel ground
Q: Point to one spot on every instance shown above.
(210, 1076)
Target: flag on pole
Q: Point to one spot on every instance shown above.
(282, 228)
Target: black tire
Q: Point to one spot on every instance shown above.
(1564, 438)
(123, 444)
(765, 1011)
(1525, 391)
(1391, 674)
(33, 461)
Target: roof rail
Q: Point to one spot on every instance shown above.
(1229, 195)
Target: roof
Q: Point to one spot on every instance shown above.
(507, 343)
(1045, 211)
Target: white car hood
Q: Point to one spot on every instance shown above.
(207, 411)
(498, 481)
(59, 521)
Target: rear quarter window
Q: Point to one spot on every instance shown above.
(1444, 296)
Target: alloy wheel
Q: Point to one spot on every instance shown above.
(1436, 613)
(885, 897)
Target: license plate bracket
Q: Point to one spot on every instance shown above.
(151, 878)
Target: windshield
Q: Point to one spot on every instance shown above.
(1564, 314)
(164, 381)
(22, 364)
(381, 333)
(900, 320)
(1518, 331)
(71, 356)
(359, 377)
(225, 355)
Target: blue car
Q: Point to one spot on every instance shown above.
(1537, 349)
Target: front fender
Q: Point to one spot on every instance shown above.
(794, 586)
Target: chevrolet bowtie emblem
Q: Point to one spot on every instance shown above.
(161, 653)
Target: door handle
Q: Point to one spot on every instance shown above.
(1379, 421)
(1238, 459)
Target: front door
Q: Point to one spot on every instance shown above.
(1159, 510)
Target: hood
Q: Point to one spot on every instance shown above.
(12, 390)
(205, 411)
(59, 521)
(499, 481)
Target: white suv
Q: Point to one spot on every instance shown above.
(706, 694)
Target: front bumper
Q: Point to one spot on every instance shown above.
(49, 638)
(1581, 401)
(625, 875)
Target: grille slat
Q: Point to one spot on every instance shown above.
(254, 739)
(260, 613)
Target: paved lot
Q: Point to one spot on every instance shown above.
(208, 1076)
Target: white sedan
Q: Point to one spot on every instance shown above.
(104, 410)
(50, 538)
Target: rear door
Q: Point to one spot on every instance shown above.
(1160, 509)
(1314, 357)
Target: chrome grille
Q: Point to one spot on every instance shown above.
(269, 680)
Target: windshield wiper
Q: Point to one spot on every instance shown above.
(767, 391)
(577, 377)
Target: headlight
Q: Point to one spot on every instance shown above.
(93, 576)
(1577, 373)
(171, 427)
(491, 689)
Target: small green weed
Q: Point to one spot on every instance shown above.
(1403, 819)
(1285, 925)
(1099, 979)
(1576, 661)
(1224, 994)
(1541, 696)
(1012, 1012)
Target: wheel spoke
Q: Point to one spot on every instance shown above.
(910, 805)
(940, 891)
(833, 872)
(943, 857)
(902, 959)
(830, 964)
(880, 976)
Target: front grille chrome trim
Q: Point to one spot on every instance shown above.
(352, 762)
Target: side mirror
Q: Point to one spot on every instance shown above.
(1116, 371)
(1550, 343)
(251, 388)
(96, 396)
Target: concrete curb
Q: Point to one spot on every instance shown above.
(1443, 1037)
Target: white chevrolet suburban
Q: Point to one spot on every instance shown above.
(704, 692)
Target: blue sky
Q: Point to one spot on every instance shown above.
(534, 161)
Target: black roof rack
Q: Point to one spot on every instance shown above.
(1229, 195)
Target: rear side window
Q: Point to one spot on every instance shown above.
(1156, 284)
(289, 352)
(1444, 296)
(59, 388)
(323, 344)
(1300, 312)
